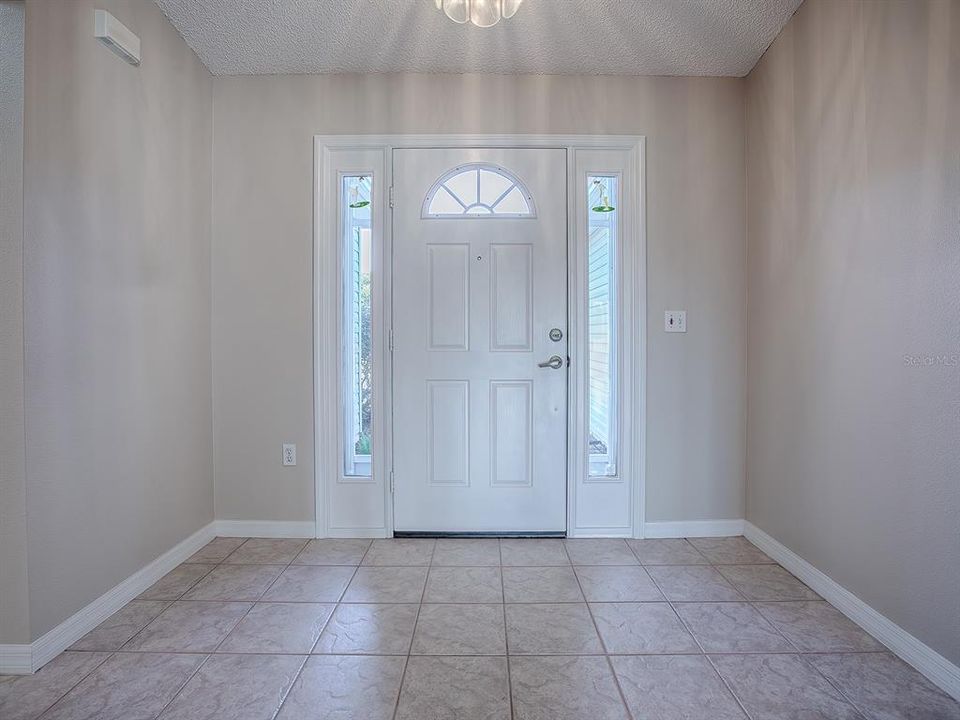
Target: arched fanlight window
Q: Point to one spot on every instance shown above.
(479, 191)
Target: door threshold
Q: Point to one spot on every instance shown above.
(497, 534)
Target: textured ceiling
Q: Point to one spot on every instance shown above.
(607, 37)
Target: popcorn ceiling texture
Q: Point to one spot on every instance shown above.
(564, 37)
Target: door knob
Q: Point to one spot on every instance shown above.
(555, 363)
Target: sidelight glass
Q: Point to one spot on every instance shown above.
(356, 195)
(603, 240)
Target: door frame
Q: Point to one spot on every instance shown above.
(364, 508)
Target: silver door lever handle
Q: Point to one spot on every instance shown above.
(555, 363)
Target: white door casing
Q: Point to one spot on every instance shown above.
(596, 507)
(479, 430)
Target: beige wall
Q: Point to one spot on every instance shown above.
(262, 255)
(854, 264)
(117, 186)
(14, 608)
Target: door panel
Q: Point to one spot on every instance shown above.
(448, 296)
(511, 433)
(448, 432)
(479, 429)
(511, 297)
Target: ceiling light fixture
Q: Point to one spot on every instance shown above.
(482, 13)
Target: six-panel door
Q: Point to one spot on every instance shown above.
(479, 282)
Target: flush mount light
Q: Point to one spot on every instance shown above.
(482, 13)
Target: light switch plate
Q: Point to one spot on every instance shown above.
(675, 321)
(289, 454)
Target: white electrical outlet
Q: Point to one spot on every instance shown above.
(289, 454)
(675, 321)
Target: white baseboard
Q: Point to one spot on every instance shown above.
(265, 528)
(600, 532)
(16, 659)
(24, 659)
(356, 532)
(693, 528)
(925, 659)
(27, 658)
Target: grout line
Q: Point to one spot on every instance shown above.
(416, 622)
(293, 681)
(753, 605)
(338, 602)
(804, 658)
(616, 681)
(673, 604)
(190, 587)
(704, 654)
(506, 637)
(634, 552)
(111, 653)
(216, 564)
(596, 629)
(183, 685)
(723, 680)
(333, 612)
(285, 566)
(488, 602)
(224, 558)
(234, 627)
(253, 603)
(357, 653)
(74, 685)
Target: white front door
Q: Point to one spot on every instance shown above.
(479, 303)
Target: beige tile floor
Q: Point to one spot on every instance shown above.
(705, 629)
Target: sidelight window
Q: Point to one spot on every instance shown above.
(357, 234)
(603, 239)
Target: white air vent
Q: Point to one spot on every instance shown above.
(116, 36)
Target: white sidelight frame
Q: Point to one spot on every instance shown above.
(596, 506)
(350, 494)
(609, 505)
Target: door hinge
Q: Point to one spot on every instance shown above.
(393, 484)
(391, 196)
(390, 340)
